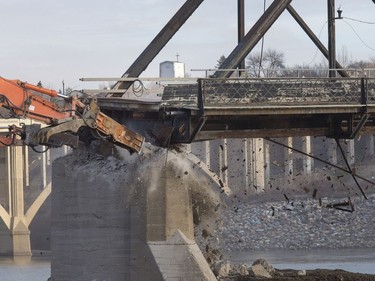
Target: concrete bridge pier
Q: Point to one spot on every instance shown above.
(14, 231)
(125, 220)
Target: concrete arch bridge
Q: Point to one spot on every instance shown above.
(25, 184)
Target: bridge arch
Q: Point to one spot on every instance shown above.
(24, 188)
(37, 204)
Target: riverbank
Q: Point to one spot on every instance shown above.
(326, 238)
(311, 275)
(261, 269)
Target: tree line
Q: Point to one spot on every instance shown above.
(271, 63)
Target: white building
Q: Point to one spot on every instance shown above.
(172, 69)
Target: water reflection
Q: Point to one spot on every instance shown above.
(25, 268)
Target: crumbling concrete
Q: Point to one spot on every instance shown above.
(112, 217)
(179, 257)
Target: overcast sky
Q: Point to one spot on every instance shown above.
(54, 40)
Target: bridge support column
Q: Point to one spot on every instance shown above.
(371, 145)
(258, 162)
(332, 151)
(351, 151)
(289, 157)
(246, 164)
(15, 237)
(223, 161)
(207, 150)
(307, 161)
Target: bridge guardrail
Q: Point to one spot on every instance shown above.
(370, 90)
(286, 91)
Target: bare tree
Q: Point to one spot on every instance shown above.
(268, 65)
(344, 58)
(254, 64)
(220, 61)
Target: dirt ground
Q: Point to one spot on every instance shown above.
(312, 275)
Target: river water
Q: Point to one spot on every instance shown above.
(25, 269)
(354, 260)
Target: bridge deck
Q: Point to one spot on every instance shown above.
(215, 108)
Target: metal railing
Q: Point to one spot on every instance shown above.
(250, 91)
(287, 91)
(289, 72)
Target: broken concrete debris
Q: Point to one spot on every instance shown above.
(260, 271)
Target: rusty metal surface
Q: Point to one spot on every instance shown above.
(183, 96)
(283, 91)
(302, 95)
(122, 104)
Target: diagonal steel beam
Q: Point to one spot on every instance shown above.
(314, 38)
(253, 37)
(156, 45)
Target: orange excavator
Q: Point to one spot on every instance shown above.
(66, 123)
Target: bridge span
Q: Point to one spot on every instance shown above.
(215, 108)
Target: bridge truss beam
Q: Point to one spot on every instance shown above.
(253, 37)
(156, 45)
(315, 39)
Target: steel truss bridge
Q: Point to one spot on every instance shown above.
(226, 107)
(215, 108)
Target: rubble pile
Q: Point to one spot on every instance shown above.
(262, 270)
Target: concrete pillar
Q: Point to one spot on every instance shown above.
(289, 157)
(15, 240)
(207, 151)
(27, 168)
(44, 168)
(246, 164)
(332, 151)
(307, 161)
(351, 152)
(371, 145)
(258, 163)
(4, 198)
(223, 161)
(267, 164)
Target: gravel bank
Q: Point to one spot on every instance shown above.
(302, 224)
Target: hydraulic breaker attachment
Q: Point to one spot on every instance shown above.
(70, 130)
(100, 125)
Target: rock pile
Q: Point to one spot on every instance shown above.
(260, 270)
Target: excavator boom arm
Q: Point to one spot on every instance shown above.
(64, 123)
